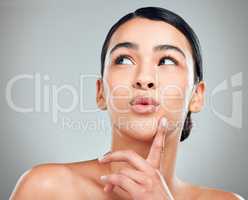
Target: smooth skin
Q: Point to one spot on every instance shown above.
(141, 163)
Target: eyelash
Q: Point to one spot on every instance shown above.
(117, 60)
(169, 57)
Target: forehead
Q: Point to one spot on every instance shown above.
(147, 33)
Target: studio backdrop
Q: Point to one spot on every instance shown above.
(49, 63)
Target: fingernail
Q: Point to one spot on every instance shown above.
(103, 178)
(101, 157)
(164, 122)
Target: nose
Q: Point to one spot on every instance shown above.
(145, 77)
(144, 84)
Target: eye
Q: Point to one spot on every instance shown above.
(123, 60)
(167, 60)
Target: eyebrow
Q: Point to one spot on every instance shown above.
(160, 47)
(128, 45)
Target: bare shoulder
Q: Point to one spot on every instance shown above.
(206, 193)
(52, 181)
(191, 191)
(217, 194)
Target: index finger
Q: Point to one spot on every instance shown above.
(157, 145)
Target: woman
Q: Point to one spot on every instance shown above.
(151, 83)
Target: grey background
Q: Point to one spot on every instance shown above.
(63, 40)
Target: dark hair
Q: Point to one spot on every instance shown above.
(161, 14)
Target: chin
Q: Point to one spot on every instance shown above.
(139, 128)
(140, 134)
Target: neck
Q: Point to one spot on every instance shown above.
(124, 142)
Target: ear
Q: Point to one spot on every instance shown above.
(100, 97)
(197, 100)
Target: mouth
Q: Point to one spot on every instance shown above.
(142, 104)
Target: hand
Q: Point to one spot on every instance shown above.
(144, 181)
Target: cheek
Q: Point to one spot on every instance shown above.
(119, 95)
(173, 92)
(172, 99)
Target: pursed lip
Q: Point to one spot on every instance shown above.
(143, 100)
(144, 105)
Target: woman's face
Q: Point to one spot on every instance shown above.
(151, 59)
